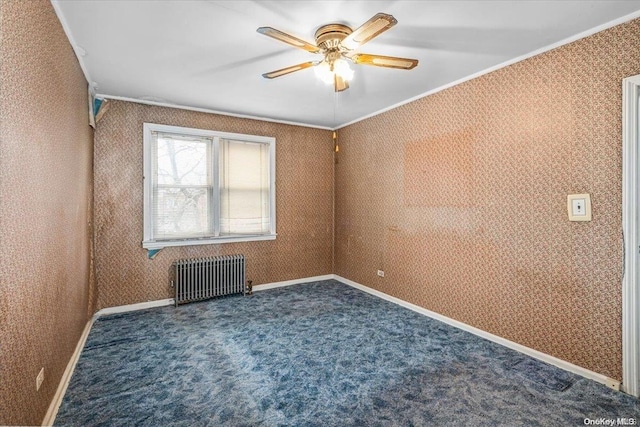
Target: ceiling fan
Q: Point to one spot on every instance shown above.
(337, 43)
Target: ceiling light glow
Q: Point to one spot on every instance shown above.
(324, 73)
(340, 67)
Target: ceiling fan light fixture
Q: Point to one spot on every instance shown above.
(324, 73)
(342, 69)
(327, 70)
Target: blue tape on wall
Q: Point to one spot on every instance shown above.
(151, 253)
(96, 106)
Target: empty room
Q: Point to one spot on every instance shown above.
(319, 213)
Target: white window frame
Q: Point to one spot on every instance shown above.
(149, 241)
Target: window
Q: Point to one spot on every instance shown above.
(203, 187)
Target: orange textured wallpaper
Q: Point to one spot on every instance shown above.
(45, 189)
(304, 203)
(460, 197)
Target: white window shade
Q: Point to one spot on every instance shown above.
(244, 188)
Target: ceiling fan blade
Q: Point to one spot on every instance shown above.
(283, 71)
(339, 83)
(372, 28)
(288, 39)
(384, 61)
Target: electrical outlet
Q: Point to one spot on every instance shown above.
(381, 273)
(39, 379)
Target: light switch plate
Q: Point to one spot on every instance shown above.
(579, 207)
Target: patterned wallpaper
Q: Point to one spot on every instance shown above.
(45, 188)
(460, 197)
(304, 203)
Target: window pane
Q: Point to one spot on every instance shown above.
(182, 161)
(244, 187)
(182, 186)
(181, 212)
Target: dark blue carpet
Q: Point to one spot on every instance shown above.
(320, 354)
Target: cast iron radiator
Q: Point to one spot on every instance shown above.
(201, 278)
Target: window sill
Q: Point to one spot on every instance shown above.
(159, 244)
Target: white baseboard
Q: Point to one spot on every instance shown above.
(134, 307)
(266, 286)
(171, 301)
(562, 364)
(50, 416)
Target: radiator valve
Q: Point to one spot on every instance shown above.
(249, 287)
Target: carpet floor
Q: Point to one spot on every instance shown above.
(317, 354)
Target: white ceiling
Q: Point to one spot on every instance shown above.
(208, 55)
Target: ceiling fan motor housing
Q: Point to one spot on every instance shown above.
(328, 37)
